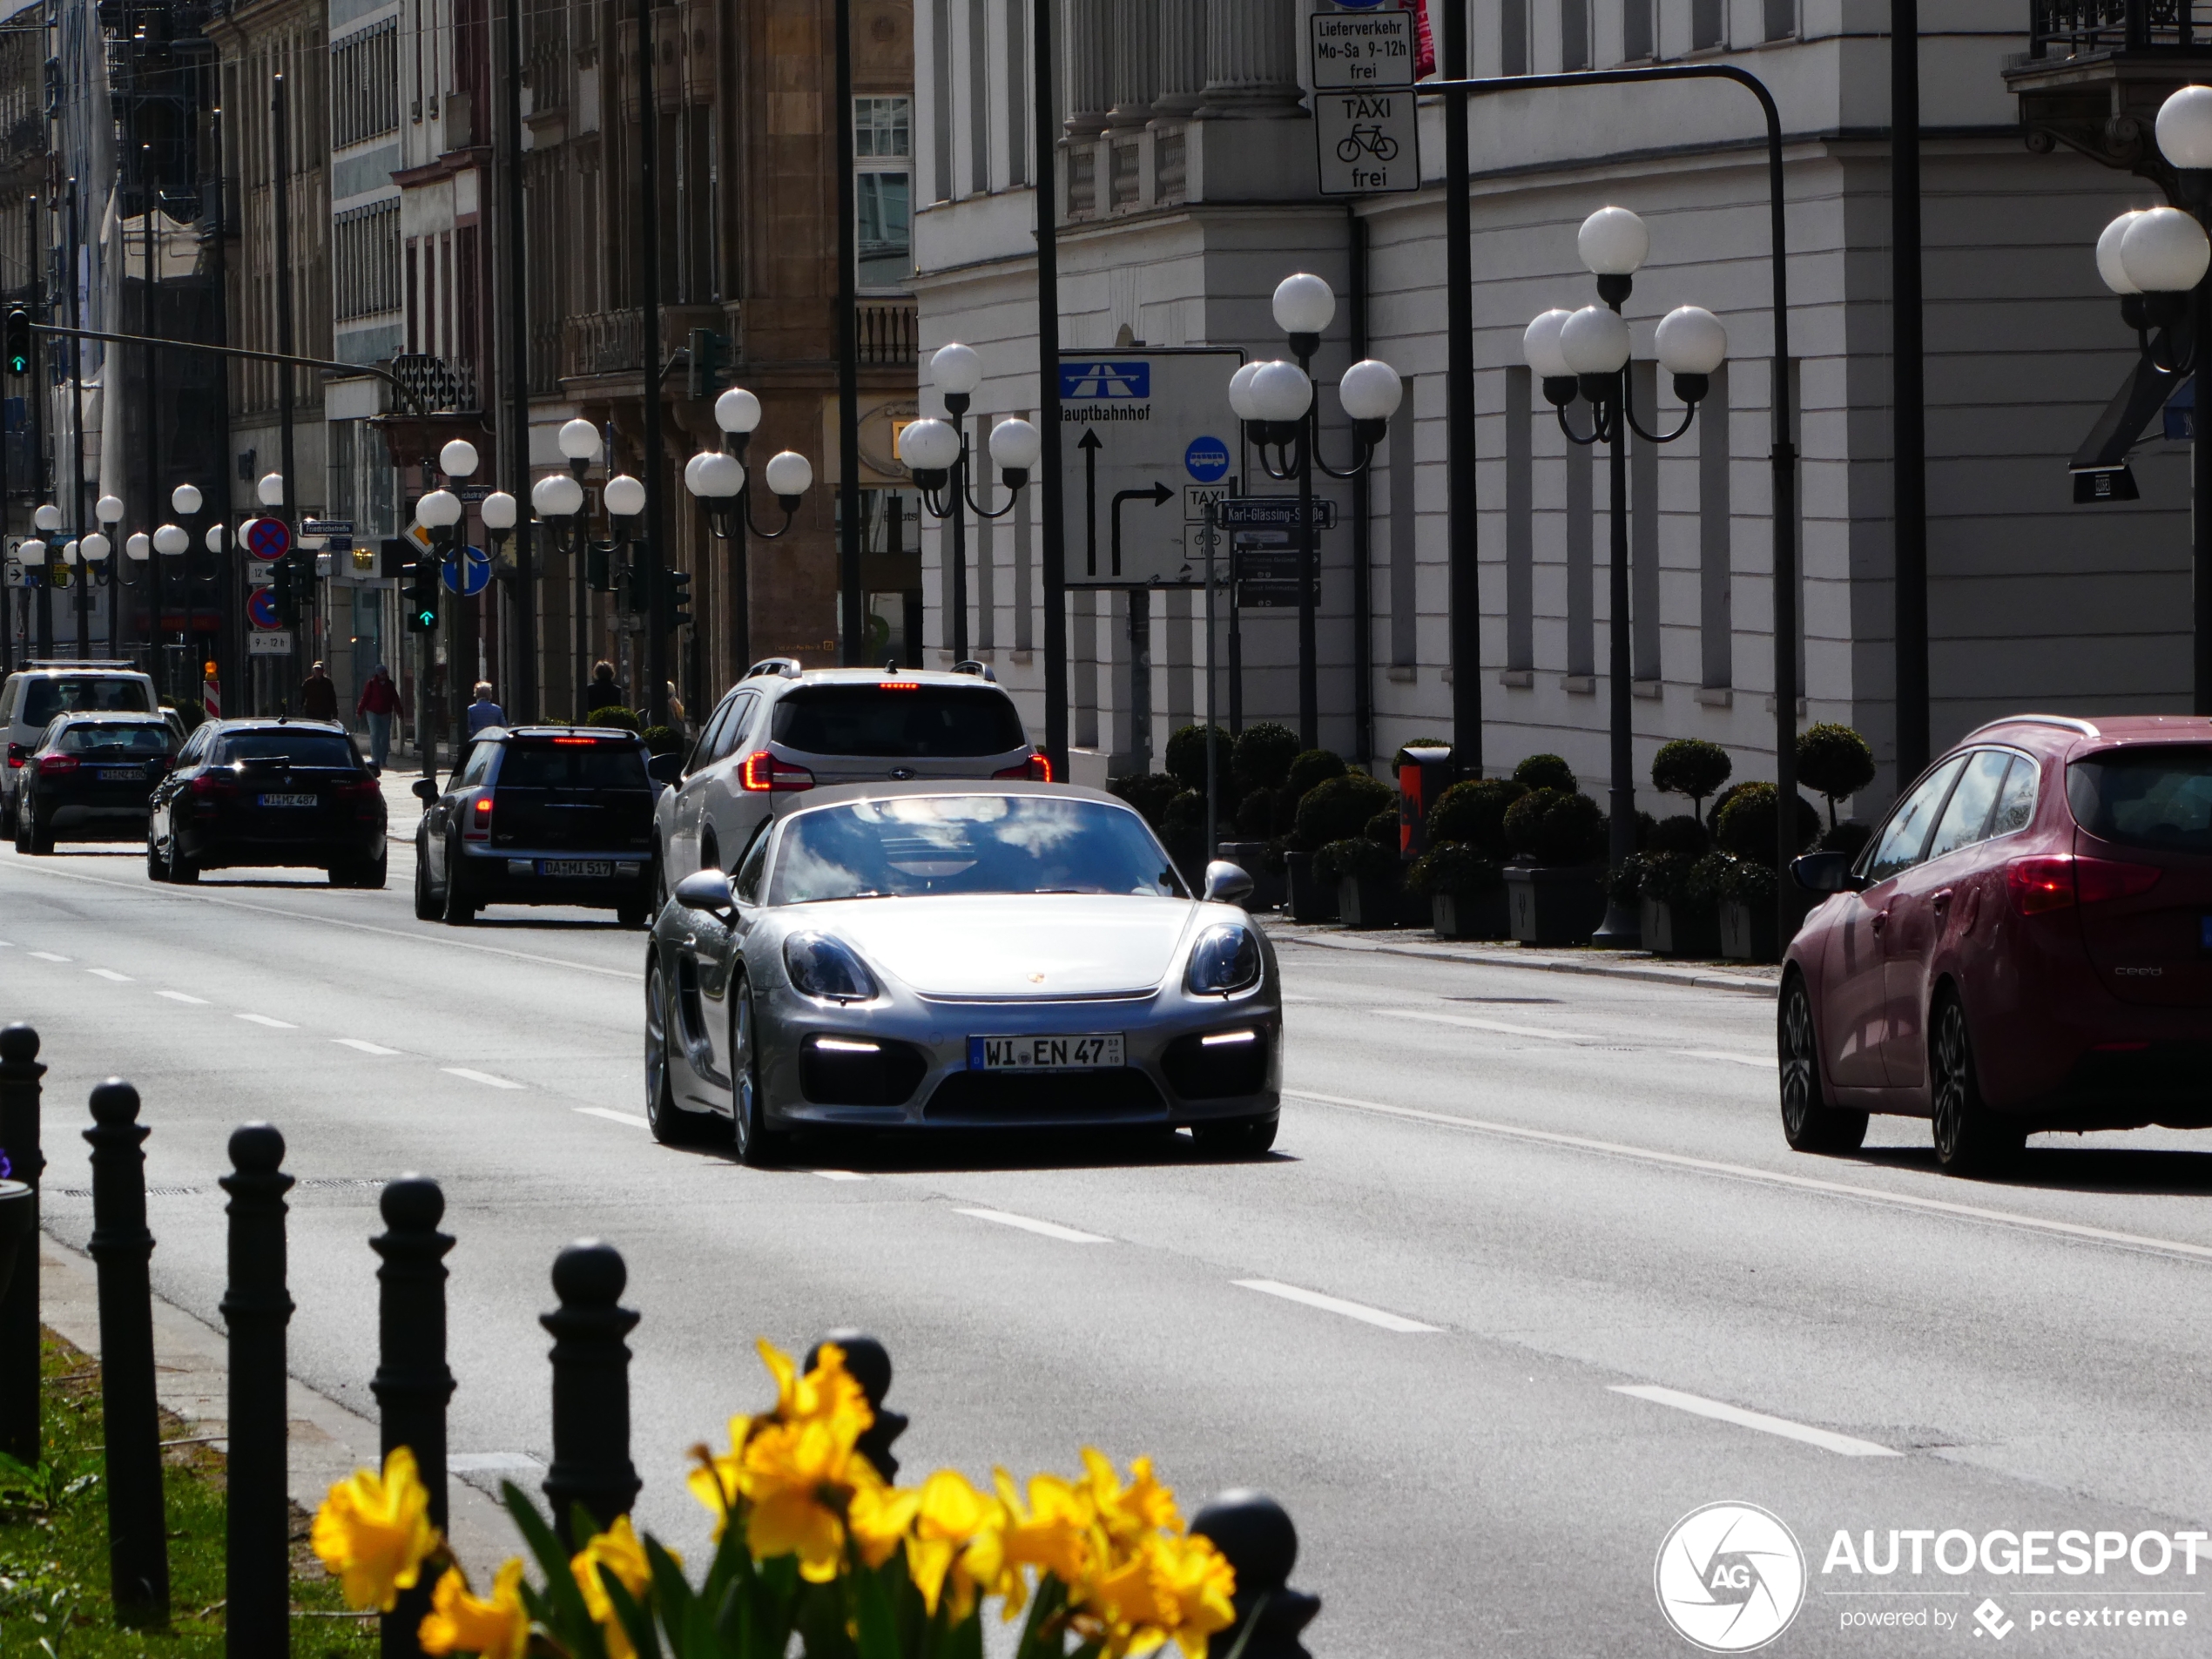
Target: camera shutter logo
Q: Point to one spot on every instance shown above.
(1729, 1577)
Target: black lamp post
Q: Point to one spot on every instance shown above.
(937, 453)
(561, 496)
(1275, 401)
(723, 484)
(1584, 354)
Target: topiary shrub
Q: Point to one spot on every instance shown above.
(1186, 757)
(1746, 826)
(1691, 766)
(1666, 877)
(662, 740)
(1310, 768)
(1261, 756)
(1255, 816)
(1338, 808)
(1849, 837)
(1357, 857)
(1702, 882)
(1185, 813)
(1625, 882)
(1382, 828)
(1680, 836)
(1748, 882)
(626, 719)
(1544, 772)
(1475, 812)
(1720, 804)
(1835, 761)
(1554, 827)
(1150, 792)
(1454, 871)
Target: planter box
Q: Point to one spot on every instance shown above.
(1554, 907)
(1747, 933)
(1483, 916)
(1679, 930)
(1308, 899)
(1250, 857)
(1379, 904)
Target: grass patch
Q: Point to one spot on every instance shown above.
(53, 1542)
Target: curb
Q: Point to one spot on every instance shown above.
(1689, 978)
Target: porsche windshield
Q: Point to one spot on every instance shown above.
(910, 846)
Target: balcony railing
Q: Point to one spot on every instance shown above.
(2076, 28)
(611, 343)
(885, 331)
(439, 384)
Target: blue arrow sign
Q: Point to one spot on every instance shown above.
(469, 576)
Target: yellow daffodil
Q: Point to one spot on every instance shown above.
(1178, 1587)
(374, 1532)
(798, 1470)
(717, 1481)
(1202, 1582)
(458, 1622)
(1131, 1512)
(951, 1518)
(1053, 1533)
(878, 1517)
(618, 1551)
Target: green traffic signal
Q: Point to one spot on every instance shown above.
(18, 340)
(422, 595)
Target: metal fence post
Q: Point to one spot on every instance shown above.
(1255, 1533)
(137, 1524)
(256, 1307)
(592, 1463)
(19, 1143)
(869, 1363)
(412, 1383)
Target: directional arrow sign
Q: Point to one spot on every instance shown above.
(1146, 424)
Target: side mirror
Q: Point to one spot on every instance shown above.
(1227, 883)
(665, 769)
(1824, 872)
(424, 790)
(706, 890)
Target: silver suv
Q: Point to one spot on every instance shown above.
(784, 730)
(42, 689)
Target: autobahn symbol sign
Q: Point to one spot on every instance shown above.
(1138, 430)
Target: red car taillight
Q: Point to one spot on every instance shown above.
(2057, 881)
(1037, 768)
(17, 753)
(762, 771)
(479, 826)
(49, 764)
(209, 783)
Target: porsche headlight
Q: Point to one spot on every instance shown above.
(820, 966)
(1226, 960)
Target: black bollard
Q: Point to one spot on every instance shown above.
(256, 1308)
(412, 1383)
(592, 1463)
(1255, 1533)
(869, 1362)
(19, 1143)
(138, 1530)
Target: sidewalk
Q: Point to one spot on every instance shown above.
(1757, 979)
(327, 1442)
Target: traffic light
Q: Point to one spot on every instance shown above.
(392, 561)
(676, 589)
(422, 595)
(707, 364)
(638, 583)
(598, 567)
(285, 575)
(18, 340)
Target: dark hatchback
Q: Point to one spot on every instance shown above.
(539, 815)
(90, 779)
(267, 793)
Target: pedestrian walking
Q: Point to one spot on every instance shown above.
(318, 695)
(676, 716)
(380, 704)
(604, 692)
(483, 712)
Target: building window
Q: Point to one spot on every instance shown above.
(1716, 627)
(1574, 35)
(1781, 19)
(1708, 24)
(1513, 37)
(1520, 514)
(365, 85)
(883, 190)
(365, 260)
(1636, 31)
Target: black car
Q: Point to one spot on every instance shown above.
(89, 779)
(268, 791)
(555, 815)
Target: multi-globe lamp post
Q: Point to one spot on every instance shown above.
(559, 497)
(1583, 356)
(46, 519)
(936, 454)
(2156, 259)
(1276, 403)
(722, 483)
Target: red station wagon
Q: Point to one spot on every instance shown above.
(2024, 944)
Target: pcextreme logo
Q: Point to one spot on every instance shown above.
(1729, 1577)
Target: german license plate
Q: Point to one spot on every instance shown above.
(1096, 1051)
(575, 867)
(123, 774)
(288, 800)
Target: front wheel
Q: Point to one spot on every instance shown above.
(426, 908)
(1969, 1139)
(1807, 1122)
(756, 1143)
(671, 1123)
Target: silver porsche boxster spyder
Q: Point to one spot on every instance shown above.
(936, 955)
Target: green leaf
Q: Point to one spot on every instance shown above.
(570, 1621)
(879, 1633)
(1040, 1633)
(636, 1619)
(965, 1639)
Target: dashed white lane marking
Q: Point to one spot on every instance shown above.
(109, 974)
(607, 1112)
(1043, 1229)
(1359, 1311)
(1698, 1406)
(1763, 1062)
(1504, 1026)
(837, 1175)
(48, 956)
(178, 996)
(484, 1077)
(364, 1045)
(263, 1019)
(1773, 1177)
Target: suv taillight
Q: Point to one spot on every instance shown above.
(762, 771)
(49, 764)
(2060, 881)
(1037, 768)
(211, 783)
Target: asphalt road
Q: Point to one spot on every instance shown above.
(1516, 1194)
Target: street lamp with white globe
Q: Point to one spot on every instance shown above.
(721, 482)
(1582, 356)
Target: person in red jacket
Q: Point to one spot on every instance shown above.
(379, 702)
